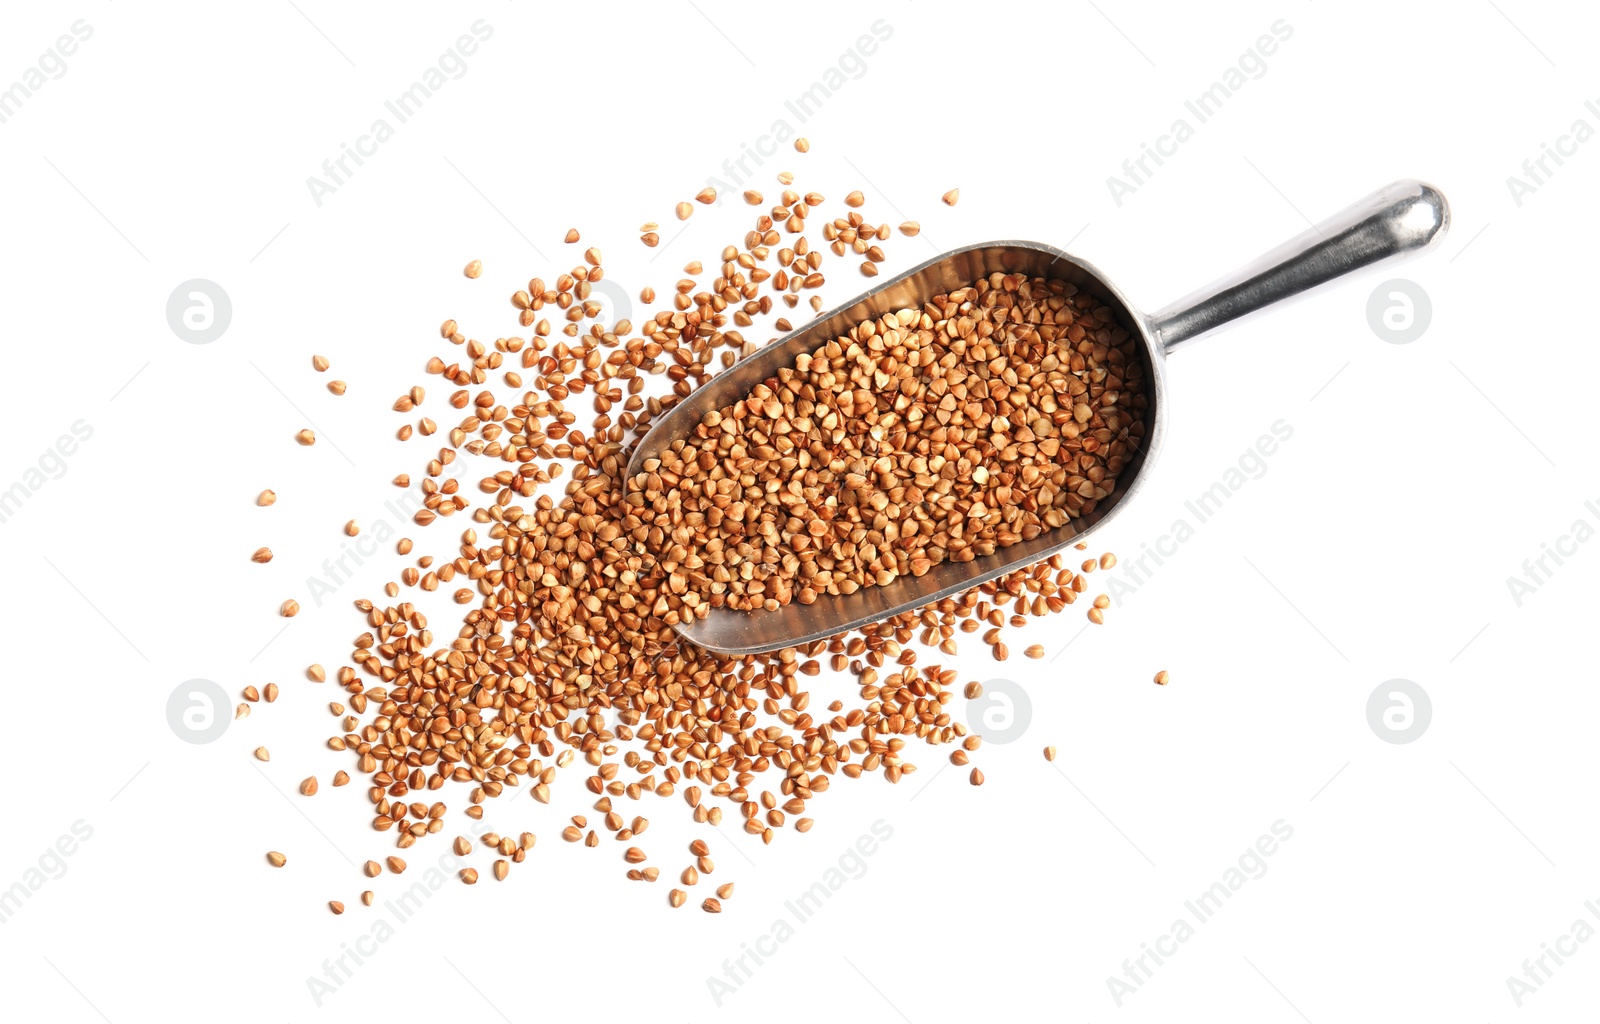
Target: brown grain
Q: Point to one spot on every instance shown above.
(1036, 458)
(948, 430)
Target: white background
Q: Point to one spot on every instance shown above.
(1376, 545)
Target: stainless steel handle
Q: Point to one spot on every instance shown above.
(1399, 220)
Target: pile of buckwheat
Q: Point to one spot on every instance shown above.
(995, 413)
(991, 414)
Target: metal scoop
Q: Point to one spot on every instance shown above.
(1404, 218)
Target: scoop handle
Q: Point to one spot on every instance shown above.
(1394, 222)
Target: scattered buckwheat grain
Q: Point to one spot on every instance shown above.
(946, 430)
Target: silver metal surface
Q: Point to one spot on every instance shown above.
(1394, 222)
(1401, 219)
